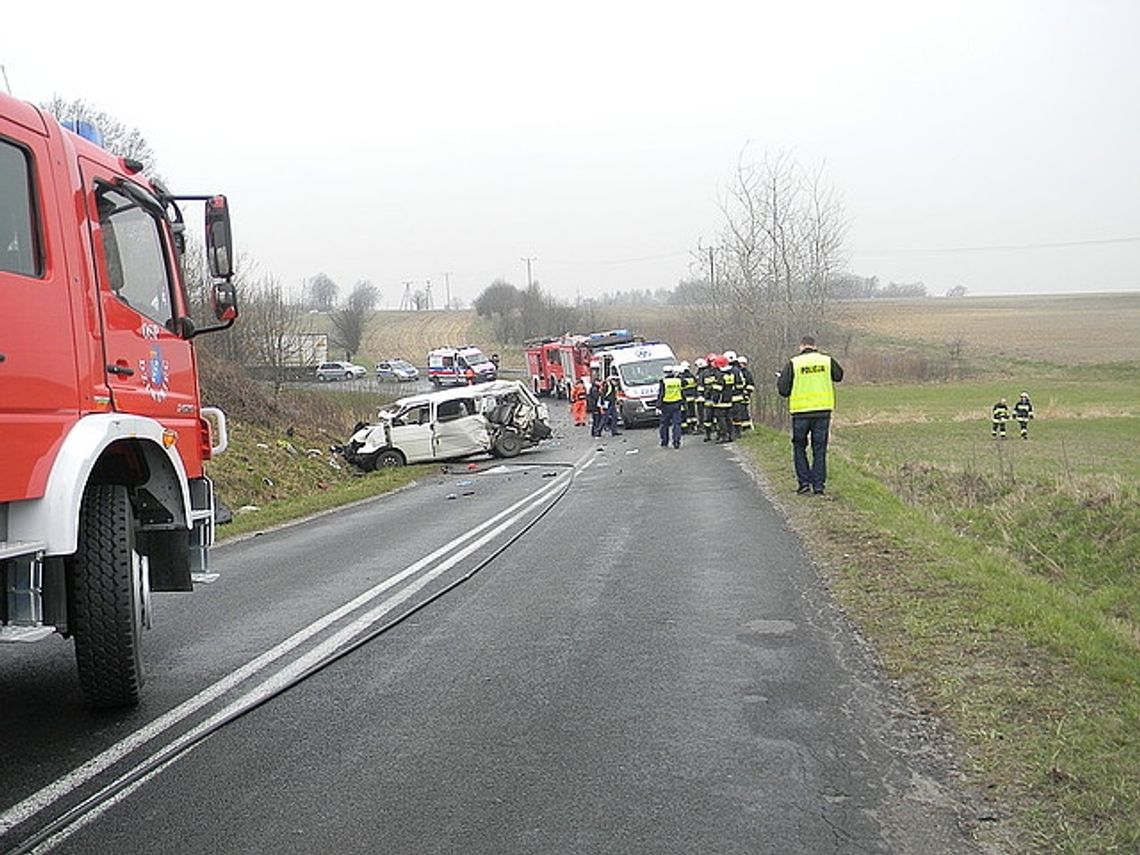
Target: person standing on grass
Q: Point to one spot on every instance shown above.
(1023, 412)
(998, 418)
(808, 382)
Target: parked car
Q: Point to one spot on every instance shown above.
(501, 418)
(340, 371)
(398, 370)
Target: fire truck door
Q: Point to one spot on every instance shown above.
(38, 395)
(149, 368)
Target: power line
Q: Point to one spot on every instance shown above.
(598, 262)
(1015, 247)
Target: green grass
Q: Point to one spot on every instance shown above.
(1000, 580)
(267, 478)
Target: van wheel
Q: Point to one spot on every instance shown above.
(387, 459)
(508, 444)
(109, 589)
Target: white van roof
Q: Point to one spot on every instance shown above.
(495, 387)
(638, 352)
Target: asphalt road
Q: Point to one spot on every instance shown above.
(642, 660)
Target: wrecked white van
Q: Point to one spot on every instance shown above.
(501, 418)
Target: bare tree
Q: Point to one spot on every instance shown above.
(118, 138)
(320, 293)
(349, 323)
(270, 328)
(771, 269)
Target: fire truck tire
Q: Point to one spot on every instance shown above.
(508, 444)
(107, 587)
(387, 458)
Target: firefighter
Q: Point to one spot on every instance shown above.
(689, 398)
(578, 402)
(724, 391)
(998, 418)
(701, 364)
(735, 382)
(670, 399)
(749, 391)
(705, 378)
(808, 382)
(1023, 412)
(738, 406)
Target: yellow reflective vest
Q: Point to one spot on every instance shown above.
(672, 393)
(812, 389)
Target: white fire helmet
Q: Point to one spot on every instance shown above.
(743, 360)
(730, 355)
(701, 362)
(684, 366)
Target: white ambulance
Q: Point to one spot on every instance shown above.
(639, 367)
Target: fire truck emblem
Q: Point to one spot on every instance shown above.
(155, 376)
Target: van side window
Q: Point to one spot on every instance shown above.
(19, 244)
(136, 270)
(448, 411)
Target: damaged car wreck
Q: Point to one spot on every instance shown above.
(500, 418)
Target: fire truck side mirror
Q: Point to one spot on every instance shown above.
(219, 240)
(225, 301)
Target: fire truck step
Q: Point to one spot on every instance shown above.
(17, 634)
(204, 578)
(16, 548)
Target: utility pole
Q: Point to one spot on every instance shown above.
(406, 300)
(528, 259)
(447, 288)
(712, 270)
(427, 295)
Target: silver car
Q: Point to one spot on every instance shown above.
(340, 371)
(396, 369)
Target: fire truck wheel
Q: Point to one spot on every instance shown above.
(508, 444)
(109, 587)
(387, 458)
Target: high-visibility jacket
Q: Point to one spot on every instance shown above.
(670, 390)
(812, 389)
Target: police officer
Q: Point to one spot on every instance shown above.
(998, 417)
(669, 400)
(808, 382)
(1023, 412)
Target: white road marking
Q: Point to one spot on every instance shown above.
(60, 788)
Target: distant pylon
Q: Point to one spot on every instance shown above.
(406, 302)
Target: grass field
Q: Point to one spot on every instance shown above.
(1000, 580)
(1061, 330)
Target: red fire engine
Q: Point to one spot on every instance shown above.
(555, 363)
(103, 497)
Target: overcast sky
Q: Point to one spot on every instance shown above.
(994, 145)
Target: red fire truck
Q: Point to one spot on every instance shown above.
(555, 363)
(103, 436)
